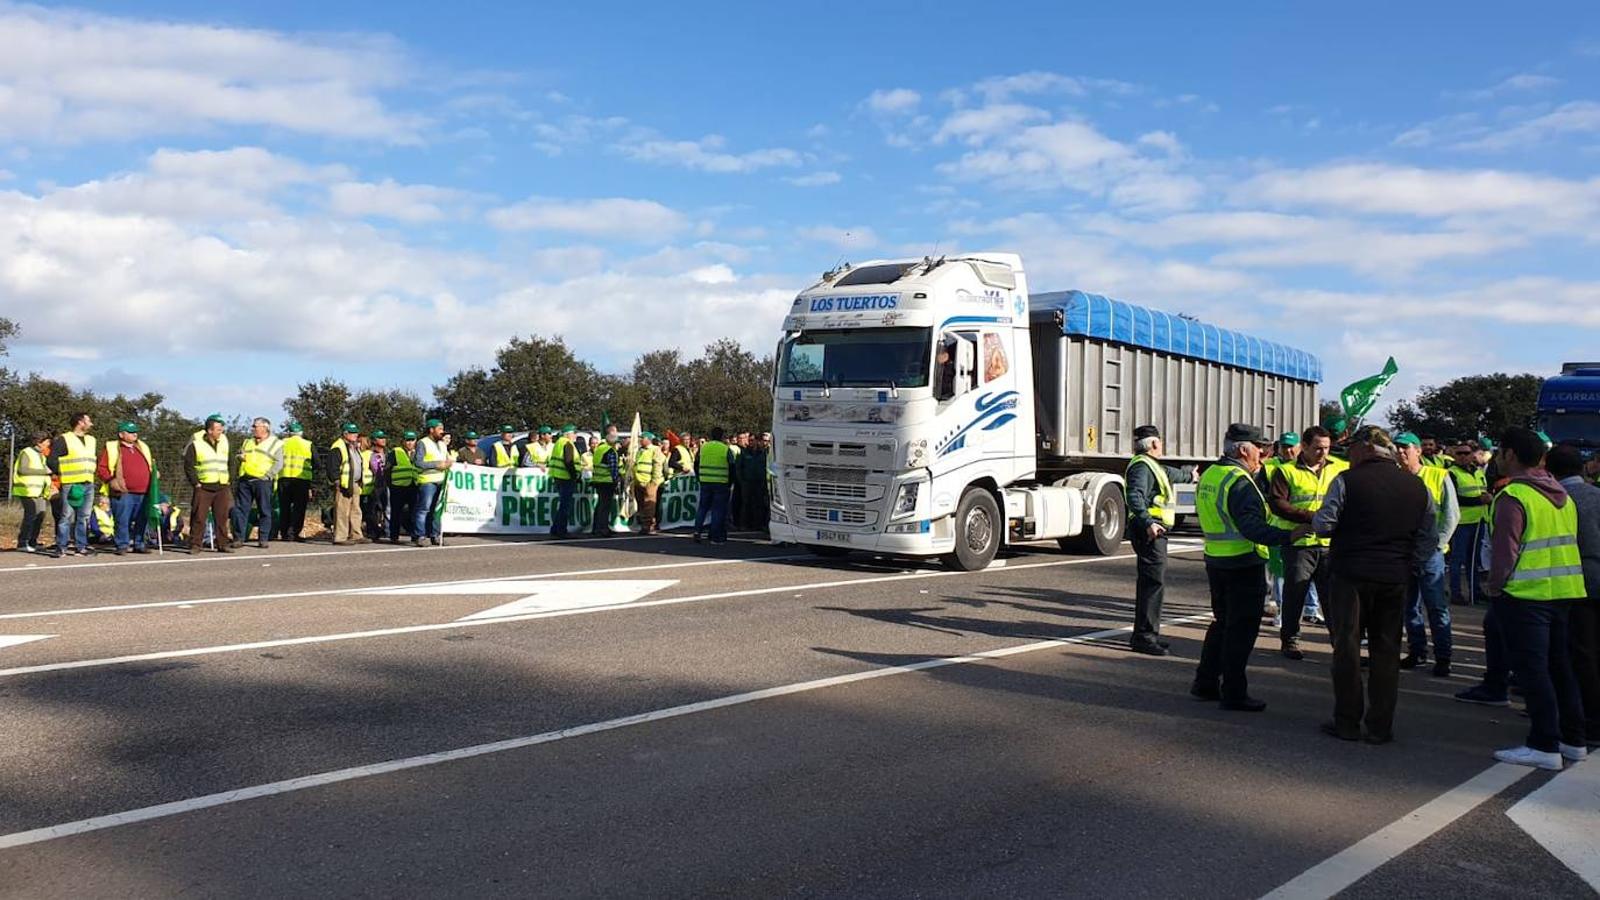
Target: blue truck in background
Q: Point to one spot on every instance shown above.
(1569, 406)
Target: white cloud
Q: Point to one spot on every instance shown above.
(892, 101)
(708, 155)
(815, 179)
(612, 217)
(983, 123)
(1371, 252)
(1001, 88)
(387, 199)
(1522, 82)
(205, 185)
(71, 76)
(1577, 117)
(1378, 188)
(858, 237)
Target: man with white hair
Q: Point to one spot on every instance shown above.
(1152, 511)
(260, 461)
(1232, 507)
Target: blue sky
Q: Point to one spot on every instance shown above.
(220, 200)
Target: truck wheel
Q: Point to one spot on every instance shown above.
(827, 552)
(977, 532)
(1110, 519)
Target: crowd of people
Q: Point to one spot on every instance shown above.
(1387, 532)
(111, 492)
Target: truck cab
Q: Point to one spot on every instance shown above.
(1569, 406)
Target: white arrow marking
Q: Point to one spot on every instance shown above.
(13, 640)
(1561, 816)
(542, 596)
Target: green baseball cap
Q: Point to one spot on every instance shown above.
(351, 428)
(412, 435)
(471, 435)
(546, 429)
(569, 428)
(1485, 444)
(434, 423)
(294, 428)
(379, 433)
(217, 418)
(1407, 439)
(506, 429)
(1546, 438)
(1289, 439)
(651, 435)
(129, 427)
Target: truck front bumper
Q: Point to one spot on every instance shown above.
(923, 543)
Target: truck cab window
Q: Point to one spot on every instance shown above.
(955, 364)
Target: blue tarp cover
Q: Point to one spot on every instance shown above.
(1092, 315)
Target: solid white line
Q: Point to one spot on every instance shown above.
(163, 810)
(451, 626)
(1360, 859)
(1562, 815)
(324, 592)
(51, 565)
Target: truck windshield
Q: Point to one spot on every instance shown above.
(1581, 428)
(856, 357)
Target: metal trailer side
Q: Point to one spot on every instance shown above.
(1094, 383)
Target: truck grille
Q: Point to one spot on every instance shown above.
(823, 490)
(836, 474)
(828, 515)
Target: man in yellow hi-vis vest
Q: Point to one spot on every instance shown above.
(1232, 509)
(72, 460)
(1152, 511)
(1535, 575)
(30, 483)
(433, 463)
(294, 483)
(714, 462)
(1294, 494)
(205, 463)
(348, 469)
(649, 472)
(260, 462)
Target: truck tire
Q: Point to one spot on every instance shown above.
(827, 552)
(1110, 520)
(977, 527)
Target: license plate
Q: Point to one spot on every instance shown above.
(839, 536)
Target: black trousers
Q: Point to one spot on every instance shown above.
(1373, 610)
(1583, 640)
(402, 508)
(32, 521)
(292, 496)
(1150, 586)
(1237, 598)
(1302, 567)
(1536, 634)
(605, 509)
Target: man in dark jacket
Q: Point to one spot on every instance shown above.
(1232, 507)
(1152, 509)
(1382, 524)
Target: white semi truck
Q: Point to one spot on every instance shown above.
(934, 408)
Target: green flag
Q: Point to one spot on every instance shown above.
(1359, 398)
(152, 501)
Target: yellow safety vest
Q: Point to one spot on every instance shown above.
(365, 457)
(1550, 566)
(1433, 478)
(1306, 491)
(505, 455)
(432, 452)
(210, 463)
(1471, 485)
(114, 455)
(558, 459)
(369, 481)
(296, 458)
(685, 459)
(597, 459)
(648, 465)
(77, 464)
(1223, 540)
(714, 457)
(257, 457)
(29, 485)
(404, 472)
(539, 454)
(1161, 505)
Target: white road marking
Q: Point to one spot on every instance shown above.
(1562, 816)
(325, 592)
(546, 596)
(17, 640)
(224, 798)
(1360, 859)
(450, 626)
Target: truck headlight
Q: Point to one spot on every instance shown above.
(905, 503)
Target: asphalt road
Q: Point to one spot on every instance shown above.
(653, 717)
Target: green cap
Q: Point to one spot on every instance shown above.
(412, 435)
(434, 423)
(569, 428)
(506, 429)
(471, 435)
(1337, 425)
(294, 428)
(351, 428)
(1546, 438)
(1289, 439)
(1485, 444)
(546, 429)
(378, 433)
(1407, 439)
(129, 427)
(217, 418)
(648, 434)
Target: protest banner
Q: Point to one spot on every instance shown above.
(484, 500)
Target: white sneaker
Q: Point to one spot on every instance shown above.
(1574, 752)
(1527, 756)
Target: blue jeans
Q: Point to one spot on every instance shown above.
(125, 511)
(713, 510)
(423, 522)
(1427, 594)
(252, 493)
(564, 499)
(72, 522)
(1536, 635)
(1464, 563)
